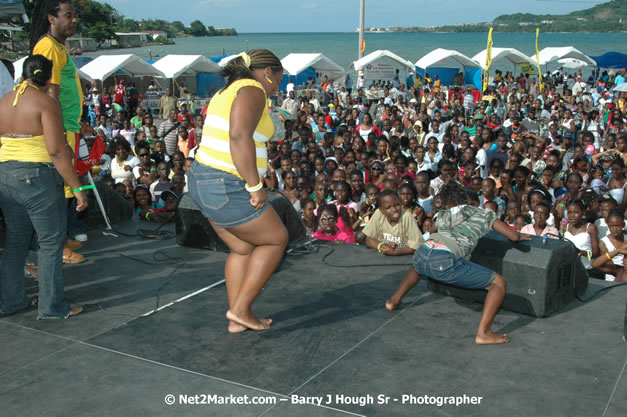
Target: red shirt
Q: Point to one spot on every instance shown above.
(119, 94)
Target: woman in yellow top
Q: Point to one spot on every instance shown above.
(225, 181)
(437, 84)
(34, 162)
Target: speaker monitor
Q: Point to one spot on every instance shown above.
(194, 230)
(542, 277)
(116, 206)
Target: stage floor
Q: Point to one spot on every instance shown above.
(332, 342)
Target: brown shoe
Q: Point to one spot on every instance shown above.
(72, 244)
(71, 257)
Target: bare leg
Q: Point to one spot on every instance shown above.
(409, 280)
(492, 304)
(235, 268)
(258, 247)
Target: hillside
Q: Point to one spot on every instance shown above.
(606, 17)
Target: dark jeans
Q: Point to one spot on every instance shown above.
(32, 200)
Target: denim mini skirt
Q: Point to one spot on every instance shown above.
(221, 196)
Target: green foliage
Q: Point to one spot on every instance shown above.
(101, 32)
(101, 21)
(127, 25)
(198, 28)
(177, 27)
(605, 17)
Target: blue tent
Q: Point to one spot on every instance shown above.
(208, 83)
(611, 60)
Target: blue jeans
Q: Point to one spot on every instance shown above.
(442, 265)
(32, 200)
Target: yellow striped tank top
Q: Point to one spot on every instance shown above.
(214, 150)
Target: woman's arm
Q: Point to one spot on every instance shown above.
(58, 149)
(246, 112)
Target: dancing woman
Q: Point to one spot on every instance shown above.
(225, 181)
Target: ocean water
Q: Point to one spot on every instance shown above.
(342, 48)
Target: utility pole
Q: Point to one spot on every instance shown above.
(362, 12)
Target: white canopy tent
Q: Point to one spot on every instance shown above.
(572, 63)
(552, 55)
(104, 66)
(512, 55)
(20, 63)
(445, 58)
(381, 64)
(173, 66)
(294, 64)
(225, 60)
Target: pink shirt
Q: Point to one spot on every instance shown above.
(340, 235)
(550, 230)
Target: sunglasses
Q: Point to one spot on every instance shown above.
(376, 169)
(141, 155)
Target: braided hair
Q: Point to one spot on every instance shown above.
(236, 69)
(40, 24)
(453, 194)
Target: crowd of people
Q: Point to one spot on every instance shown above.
(422, 169)
(549, 162)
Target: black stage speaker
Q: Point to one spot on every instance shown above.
(542, 277)
(194, 230)
(116, 206)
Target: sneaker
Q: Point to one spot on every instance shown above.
(81, 238)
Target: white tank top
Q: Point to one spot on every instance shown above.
(583, 242)
(616, 260)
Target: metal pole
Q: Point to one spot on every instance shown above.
(362, 13)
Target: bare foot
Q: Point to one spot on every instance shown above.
(392, 304)
(75, 310)
(249, 320)
(238, 328)
(491, 339)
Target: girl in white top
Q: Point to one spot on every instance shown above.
(583, 235)
(617, 183)
(613, 249)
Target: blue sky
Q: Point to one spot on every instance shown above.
(336, 15)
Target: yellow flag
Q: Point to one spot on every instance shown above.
(540, 83)
(488, 61)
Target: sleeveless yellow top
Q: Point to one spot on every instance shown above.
(27, 148)
(214, 149)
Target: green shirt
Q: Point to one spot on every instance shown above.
(136, 122)
(65, 76)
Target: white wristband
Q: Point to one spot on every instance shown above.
(255, 188)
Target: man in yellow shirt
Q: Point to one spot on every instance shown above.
(53, 22)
